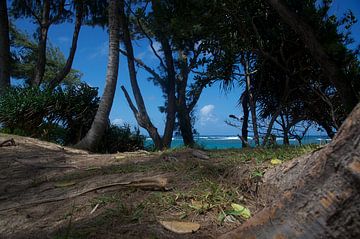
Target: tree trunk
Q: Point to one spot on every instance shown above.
(270, 126)
(314, 196)
(140, 113)
(41, 57)
(183, 112)
(65, 71)
(328, 129)
(252, 103)
(330, 67)
(4, 48)
(100, 122)
(171, 99)
(245, 124)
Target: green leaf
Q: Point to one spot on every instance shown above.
(241, 210)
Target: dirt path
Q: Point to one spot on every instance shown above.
(49, 191)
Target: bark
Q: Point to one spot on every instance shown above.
(245, 124)
(100, 122)
(41, 57)
(314, 196)
(66, 69)
(139, 111)
(4, 48)
(330, 68)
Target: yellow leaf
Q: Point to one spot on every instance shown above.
(275, 161)
(243, 211)
(180, 227)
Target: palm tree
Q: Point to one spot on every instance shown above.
(100, 122)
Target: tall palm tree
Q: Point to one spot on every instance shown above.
(100, 122)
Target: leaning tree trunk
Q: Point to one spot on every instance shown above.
(43, 35)
(4, 48)
(100, 122)
(66, 69)
(314, 196)
(330, 69)
(140, 112)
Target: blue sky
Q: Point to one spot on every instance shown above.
(214, 105)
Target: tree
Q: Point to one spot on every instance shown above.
(4, 48)
(24, 53)
(79, 5)
(315, 196)
(44, 15)
(100, 122)
(330, 68)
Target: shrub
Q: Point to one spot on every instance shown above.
(63, 116)
(121, 139)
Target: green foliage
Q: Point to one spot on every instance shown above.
(63, 116)
(24, 55)
(121, 139)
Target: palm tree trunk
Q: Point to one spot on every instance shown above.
(4, 48)
(65, 71)
(100, 122)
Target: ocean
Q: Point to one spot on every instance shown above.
(231, 141)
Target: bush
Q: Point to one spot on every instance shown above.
(121, 139)
(63, 116)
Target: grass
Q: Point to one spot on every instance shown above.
(203, 188)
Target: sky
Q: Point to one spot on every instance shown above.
(214, 105)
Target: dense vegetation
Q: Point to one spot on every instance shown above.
(290, 63)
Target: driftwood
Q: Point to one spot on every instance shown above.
(101, 183)
(9, 142)
(315, 196)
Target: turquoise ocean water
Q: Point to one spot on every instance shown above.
(229, 141)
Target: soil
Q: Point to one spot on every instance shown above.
(50, 191)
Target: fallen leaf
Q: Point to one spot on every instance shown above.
(198, 205)
(230, 218)
(241, 210)
(180, 227)
(275, 161)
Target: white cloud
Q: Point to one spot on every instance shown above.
(100, 51)
(118, 121)
(207, 114)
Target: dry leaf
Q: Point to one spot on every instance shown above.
(180, 227)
